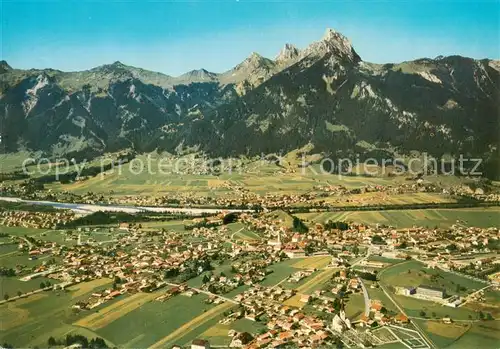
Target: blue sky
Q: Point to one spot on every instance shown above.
(177, 36)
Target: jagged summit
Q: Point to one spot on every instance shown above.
(331, 34)
(254, 58)
(252, 62)
(4, 66)
(336, 43)
(288, 52)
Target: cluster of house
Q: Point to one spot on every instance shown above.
(139, 259)
(468, 250)
(477, 193)
(35, 219)
(220, 284)
(284, 323)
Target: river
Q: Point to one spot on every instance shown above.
(90, 208)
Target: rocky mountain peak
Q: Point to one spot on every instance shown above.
(335, 43)
(254, 58)
(254, 61)
(287, 53)
(4, 66)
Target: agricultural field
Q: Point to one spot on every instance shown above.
(30, 321)
(8, 250)
(186, 331)
(128, 330)
(443, 218)
(11, 286)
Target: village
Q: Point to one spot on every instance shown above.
(233, 269)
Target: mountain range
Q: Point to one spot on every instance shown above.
(324, 95)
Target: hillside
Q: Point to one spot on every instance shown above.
(324, 94)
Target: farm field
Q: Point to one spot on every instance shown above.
(480, 217)
(41, 316)
(159, 318)
(11, 285)
(444, 334)
(294, 301)
(191, 329)
(307, 285)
